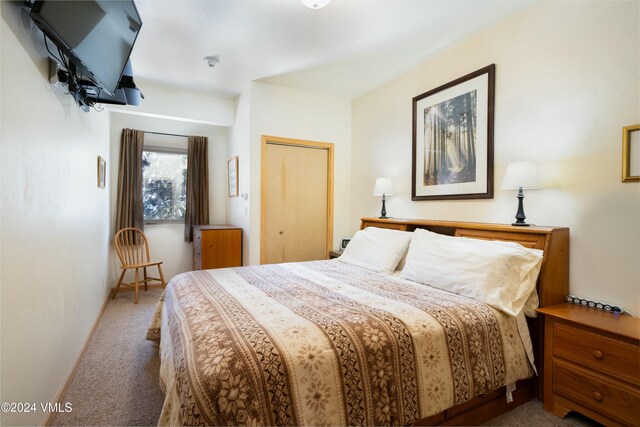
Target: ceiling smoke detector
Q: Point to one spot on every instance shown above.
(212, 61)
(315, 4)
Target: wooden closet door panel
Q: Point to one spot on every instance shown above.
(273, 204)
(306, 214)
(295, 203)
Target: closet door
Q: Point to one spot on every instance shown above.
(297, 200)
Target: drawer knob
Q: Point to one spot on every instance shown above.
(598, 354)
(597, 396)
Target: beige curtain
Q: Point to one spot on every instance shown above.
(129, 209)
(197, 186)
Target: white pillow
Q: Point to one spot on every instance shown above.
(403, 260)
(501, 274)
(377, 249)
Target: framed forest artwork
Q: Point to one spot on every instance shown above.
(453, 139)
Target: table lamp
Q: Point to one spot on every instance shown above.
(521, 175)
(383, 188)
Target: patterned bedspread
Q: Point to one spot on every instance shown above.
(325, 343)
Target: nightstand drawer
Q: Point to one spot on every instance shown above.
(604, 354)
(614, 400)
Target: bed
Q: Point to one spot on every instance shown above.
(332, 343)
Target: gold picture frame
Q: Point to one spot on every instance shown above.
(102, 172)
(232, 169)
(631, 153)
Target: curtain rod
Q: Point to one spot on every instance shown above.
(167, 134)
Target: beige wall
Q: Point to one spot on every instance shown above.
(54, 223)
(567, 81)
(289, 113)
(238, 208)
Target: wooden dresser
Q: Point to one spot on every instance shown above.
(592, 364)
(216, 246)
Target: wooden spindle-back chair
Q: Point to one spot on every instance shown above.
(132, 247)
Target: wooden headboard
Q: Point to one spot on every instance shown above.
(553, 281)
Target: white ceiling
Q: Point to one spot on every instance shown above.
(345, 49)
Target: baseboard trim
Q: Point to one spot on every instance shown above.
(128, 287)
(48, 419)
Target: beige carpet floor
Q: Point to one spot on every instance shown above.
(116, 383)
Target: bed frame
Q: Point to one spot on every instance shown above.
(552, 286)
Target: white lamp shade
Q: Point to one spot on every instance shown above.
(315, 4)
(383, 187)
(521, 175)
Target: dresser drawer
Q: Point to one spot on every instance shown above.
(604, 354)
(614, 400)
(216, 246)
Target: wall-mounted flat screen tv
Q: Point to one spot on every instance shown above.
(96, 35)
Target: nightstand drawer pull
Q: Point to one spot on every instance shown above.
(597, 396)
(598, 354)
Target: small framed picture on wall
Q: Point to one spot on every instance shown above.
(631, 153)
(232, 168)
(102, 172)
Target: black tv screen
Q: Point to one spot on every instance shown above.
(97, 35)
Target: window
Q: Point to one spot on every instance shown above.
(164, 184)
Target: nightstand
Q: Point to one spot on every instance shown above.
(591, 364)
(334, 254)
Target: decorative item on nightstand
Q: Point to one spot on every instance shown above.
(521, 175)
(383, 188)
(344, 243)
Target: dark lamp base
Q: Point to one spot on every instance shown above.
(383, 213)
(520, 216)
